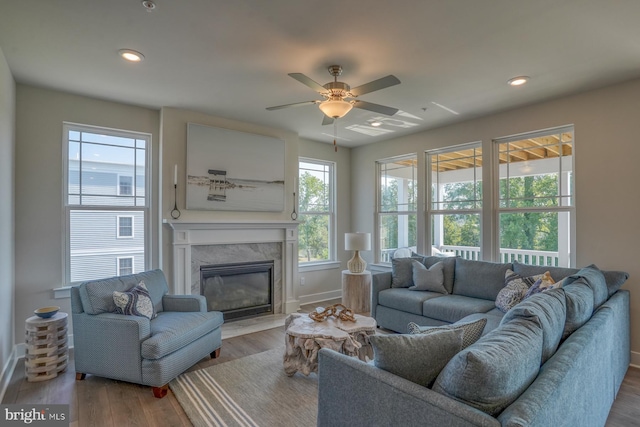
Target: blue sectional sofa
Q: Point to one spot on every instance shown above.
(555, 359)
(134, 348)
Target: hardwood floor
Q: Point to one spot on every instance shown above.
(102, 402)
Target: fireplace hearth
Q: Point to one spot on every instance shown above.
(238, 290)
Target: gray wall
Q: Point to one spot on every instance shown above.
(7, 218)
(39, 237)
(607, 138)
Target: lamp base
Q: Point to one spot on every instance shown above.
(356, 264)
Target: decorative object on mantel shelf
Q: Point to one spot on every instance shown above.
(337, 310)
(294, 214)
(175, 213)
(357, 242)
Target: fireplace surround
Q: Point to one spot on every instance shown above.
(202, 243)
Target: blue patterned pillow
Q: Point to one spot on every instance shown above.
(135, 302)
(515, 289)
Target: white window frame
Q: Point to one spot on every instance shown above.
(378, 211)
(68, 208)
(563, 186)
(119, 267)
(119, 226)
(120, 193)
(431, 211)
(331, 214)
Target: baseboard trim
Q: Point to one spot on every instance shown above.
(7, 372)
(319, 297)
(635, 359)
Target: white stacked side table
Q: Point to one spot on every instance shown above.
(47, 352)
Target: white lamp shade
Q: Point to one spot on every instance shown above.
(335, 108)
(357, 241)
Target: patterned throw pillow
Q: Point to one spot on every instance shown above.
(428, 279)
(515, 289)
(136, 302)
(471, 331)
(544, 283)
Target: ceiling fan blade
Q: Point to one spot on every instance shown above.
(389, 111)
(326, 120)
(382, 83)
(295, 104)
(307, 81)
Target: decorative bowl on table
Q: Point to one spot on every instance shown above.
(46, 312)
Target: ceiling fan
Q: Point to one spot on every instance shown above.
(340, 98)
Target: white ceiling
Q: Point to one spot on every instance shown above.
(231, 58)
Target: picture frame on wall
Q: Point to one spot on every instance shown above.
(230, 170)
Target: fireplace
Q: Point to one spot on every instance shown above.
(238, 290)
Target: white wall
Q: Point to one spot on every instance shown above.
(39, 241)
(607, 150)
(7, 218)
(327, 283)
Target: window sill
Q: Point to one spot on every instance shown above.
(62, 292)
(330, 265)
(380, 267)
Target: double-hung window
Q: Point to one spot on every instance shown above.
(454, 204)
(536, 211)
(316, 206)
(396, 206)
(106, 183)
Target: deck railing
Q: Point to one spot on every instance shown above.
(531, 257)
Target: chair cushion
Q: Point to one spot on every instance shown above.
(493, 372)
(428, 279)
(173, 330)
(549, 308)
(479, 279)
(418, 358)
(135, 302)
(405, 300)
(451, 308)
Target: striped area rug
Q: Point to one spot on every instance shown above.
(248, 392)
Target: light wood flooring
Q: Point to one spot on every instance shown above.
(102, 402)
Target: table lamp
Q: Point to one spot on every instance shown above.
(357, 242)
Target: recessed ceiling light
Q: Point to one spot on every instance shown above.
(518, 81)
(149, 5)
(376, 123)
(131, 55)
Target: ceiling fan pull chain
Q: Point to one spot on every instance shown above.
(335, 135)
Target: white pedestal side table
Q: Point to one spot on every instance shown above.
(356, 291)
(47, 352)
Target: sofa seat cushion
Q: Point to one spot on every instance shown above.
(496, 370)
(405, 300)
(493, 317)
(451, 308)
(172, 330)
(479, 279)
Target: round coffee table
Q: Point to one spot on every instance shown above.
(304, 337)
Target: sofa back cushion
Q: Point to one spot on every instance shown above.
(493, 372)
(449, 269)
(549, 308)
(592, 277)
(97, 295)
(579, 299)
(557, 273)
(479, 279)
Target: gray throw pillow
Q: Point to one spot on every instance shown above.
(496, 370)
(402, 272)
(471, 331)
(417, 358)
(428, 279)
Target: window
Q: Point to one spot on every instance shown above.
(396, 206)
(536, 210)
(316, 211)
(125, 185)
(106, 184)
(125, 266)
(454, 205)
(125, 226)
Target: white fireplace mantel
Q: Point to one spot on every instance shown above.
(188, 234)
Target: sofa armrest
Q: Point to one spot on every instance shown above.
(101, 340)
(349, 389)
(379, 282)
(184, 303)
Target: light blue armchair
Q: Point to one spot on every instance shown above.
(134, 348)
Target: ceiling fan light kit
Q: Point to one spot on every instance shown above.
(335, 108)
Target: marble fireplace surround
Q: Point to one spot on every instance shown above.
(219, 242)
